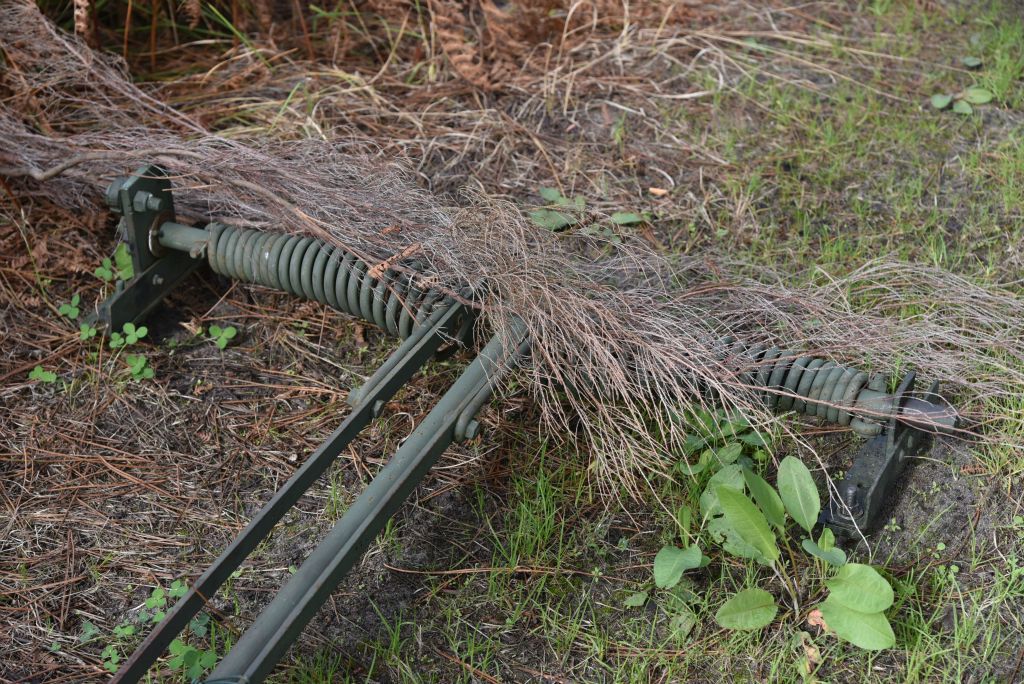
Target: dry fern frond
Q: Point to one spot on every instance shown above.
(452, 27)
(193, 11)
(83, 21)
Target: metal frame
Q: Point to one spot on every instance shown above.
(164, 253)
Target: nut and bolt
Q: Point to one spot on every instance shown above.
(144, 201)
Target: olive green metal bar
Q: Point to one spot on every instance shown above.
(402, 365)
(274, 630)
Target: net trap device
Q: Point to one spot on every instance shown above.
(898, 425)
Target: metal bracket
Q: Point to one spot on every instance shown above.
(869, 483)
(144, 202)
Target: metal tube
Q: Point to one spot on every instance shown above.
(402, 365)
(183, 238)
(280, 623)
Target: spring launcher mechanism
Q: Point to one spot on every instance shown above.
(164, 252)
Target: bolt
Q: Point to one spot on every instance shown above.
(140, 200)
(158, 279)
(853, 501)
(114, 194)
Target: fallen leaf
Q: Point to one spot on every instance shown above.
(815, 619)
(810, 650)
(657, 192)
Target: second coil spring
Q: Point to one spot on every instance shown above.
(790, 380)
(307, 267)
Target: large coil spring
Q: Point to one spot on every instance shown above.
(791, 380)
(307, 267)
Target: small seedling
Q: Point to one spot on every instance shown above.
(199, 624)
(86, 332)
(630, 218)
(190, 660)
(555, 217)
(128, 336)
(139, 367)
(177, 589)
(70, 309)
(40, 375)
(89, 631)
(111, 658)
(222, 336)
(120, 268)
(124, 630)
(961, 102)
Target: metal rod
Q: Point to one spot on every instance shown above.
(280, 623)
(409, 357)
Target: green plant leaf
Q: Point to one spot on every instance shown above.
(753, 438)
(40, 374)
(635, 600)
(977, 95)
(748, 521)
(730, 452)
(691, 469)
(89, 630)
(156, 598)
(125, 630)
(941, 101)
(971, 62)
(216, 331)
(799, 493)
(860, 587)
(671, 562)
(551, 219)
(730, 476)
(870, 631)
(766, 497)
(552, 195)
(834, 557)
(627, 218)
(723, 533)
(682, 623)
(827, 539)
(199, 623)
(961, 107)
(693, 443)
(749, 609)
(123, 260)
(230, 332)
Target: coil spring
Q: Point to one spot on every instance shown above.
(790, 380)
(307, 267)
